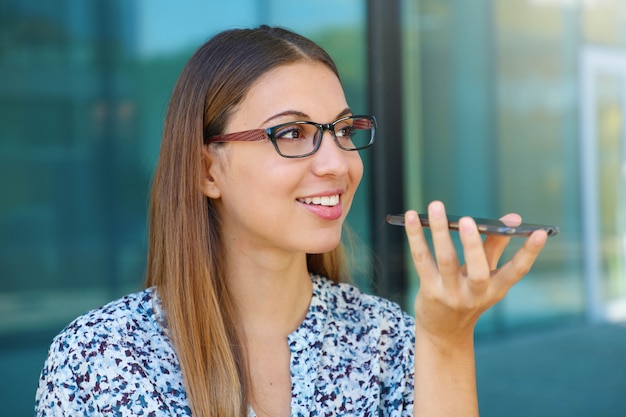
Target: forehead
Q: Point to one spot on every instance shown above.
(306, 87)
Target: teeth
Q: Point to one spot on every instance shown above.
(331, 200)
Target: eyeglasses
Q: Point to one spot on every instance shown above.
(300, 139)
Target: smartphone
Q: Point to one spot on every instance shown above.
(485, 226)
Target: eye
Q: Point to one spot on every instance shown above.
(291, 132)
(344, 132)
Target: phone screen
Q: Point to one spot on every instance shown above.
(485, 226)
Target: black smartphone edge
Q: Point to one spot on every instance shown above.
(485, 226)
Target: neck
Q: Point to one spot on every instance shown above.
(271, 297)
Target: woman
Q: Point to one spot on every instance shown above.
(243, 311)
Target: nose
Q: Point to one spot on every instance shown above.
(330, 159)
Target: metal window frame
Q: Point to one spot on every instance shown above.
(384, 42)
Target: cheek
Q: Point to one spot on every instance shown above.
(356, 169)
(257, 175)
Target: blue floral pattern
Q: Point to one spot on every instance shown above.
(352, 355)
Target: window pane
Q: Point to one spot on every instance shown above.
(83, 94)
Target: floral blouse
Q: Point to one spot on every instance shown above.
(352, 355)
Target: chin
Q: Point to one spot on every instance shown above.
(323, 247)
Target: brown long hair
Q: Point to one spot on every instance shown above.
(185, 249)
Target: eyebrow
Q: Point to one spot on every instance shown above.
(344, 112)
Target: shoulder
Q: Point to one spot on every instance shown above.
(128, 317)
(116, 357)
(348, 303)
(348, 300)
(367, 338)
(119, 330)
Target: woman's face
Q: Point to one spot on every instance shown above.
(266, 201)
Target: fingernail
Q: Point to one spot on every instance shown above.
(436, 209)
(467, 225)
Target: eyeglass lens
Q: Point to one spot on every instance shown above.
(303, 137)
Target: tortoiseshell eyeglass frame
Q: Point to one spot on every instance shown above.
(361, 122)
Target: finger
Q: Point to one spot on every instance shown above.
(447, 260)
(420, 251)
(511, 219)
(521, 262)
(495, 244)
(476, 263)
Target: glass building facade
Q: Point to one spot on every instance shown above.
(491, 107)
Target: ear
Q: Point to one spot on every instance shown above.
(209, 184)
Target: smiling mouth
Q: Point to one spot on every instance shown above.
(329, 201)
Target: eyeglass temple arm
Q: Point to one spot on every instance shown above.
(247, 136)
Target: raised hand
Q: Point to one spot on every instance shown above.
(450, 301)
(453, 296)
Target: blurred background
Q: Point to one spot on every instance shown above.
(492, 106)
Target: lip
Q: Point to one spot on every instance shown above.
(324, 212)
